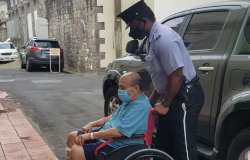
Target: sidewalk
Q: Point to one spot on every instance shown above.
(19, 140)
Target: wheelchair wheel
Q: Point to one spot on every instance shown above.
(149, 154)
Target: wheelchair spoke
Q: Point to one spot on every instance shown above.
(149, 154)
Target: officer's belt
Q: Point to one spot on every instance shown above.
(193, 81)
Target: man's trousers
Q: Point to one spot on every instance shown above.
(177, 131)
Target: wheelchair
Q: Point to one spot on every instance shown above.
(134, 151)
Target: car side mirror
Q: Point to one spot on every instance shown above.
(132, 46)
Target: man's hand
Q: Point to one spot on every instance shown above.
(87, 128)
(82, 138)
(160, 109)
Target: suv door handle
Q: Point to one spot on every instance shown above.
(206, 69)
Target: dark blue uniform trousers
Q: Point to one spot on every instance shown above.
(177, 131)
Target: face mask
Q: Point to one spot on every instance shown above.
(123, 95)
(137, 33)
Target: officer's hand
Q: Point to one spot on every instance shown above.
(160, 109)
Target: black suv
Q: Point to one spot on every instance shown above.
(37, 53)
(217, 37)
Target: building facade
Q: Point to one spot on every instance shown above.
(88, 30)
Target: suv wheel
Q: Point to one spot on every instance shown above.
(111, 101)
(240, 146)
(28, 66)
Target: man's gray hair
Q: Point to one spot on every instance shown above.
(135, 78)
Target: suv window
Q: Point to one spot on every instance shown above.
(204, 30)
(46, 44)
(175, 23)
(247, 30)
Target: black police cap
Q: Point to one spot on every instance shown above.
(138, 10)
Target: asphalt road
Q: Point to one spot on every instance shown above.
(55, 103)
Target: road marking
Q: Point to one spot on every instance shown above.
(6, 80)
(46, 81)
(85, 93)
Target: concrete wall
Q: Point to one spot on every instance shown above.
(108, 48)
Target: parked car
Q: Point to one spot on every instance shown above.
(8, 52)
(36, 53)
(217, 36)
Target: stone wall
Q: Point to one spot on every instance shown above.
(18, 22)
(3, 18)
(3, 32)
(73, 23)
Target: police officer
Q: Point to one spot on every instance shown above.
(178, 96)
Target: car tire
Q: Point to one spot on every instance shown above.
(111, 93)
(28, 66)
(240, 146)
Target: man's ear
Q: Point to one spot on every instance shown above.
(138, 88)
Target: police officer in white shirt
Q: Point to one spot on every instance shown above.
(178, 96)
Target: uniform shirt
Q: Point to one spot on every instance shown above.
(130, 119)
(166, 53)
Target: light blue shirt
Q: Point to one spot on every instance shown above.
(130, 119)
(166, 53)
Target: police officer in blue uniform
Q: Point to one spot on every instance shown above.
(178, 96)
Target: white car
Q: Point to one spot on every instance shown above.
(8, 52)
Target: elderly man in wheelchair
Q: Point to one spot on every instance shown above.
(119, 134)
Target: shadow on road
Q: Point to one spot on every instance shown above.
(6, 62)
(46, 69)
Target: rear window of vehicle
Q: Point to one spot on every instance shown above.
(247, 30)
(7, 46)
(204, 30)
(46, 44)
